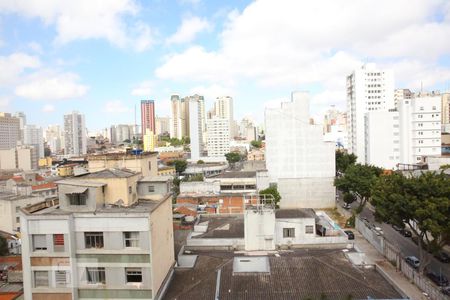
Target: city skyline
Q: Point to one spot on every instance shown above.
(119, 57)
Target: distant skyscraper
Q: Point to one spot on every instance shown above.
(33, 136)
(196, 133)
(162, 125)
(148, 116)
(368, 89)
(9, 131)
(75, 142)
(23, 121)
(223, 108)
(445, 108)
(176, 119)
(218, 137)
(53, 138)
(180, 115)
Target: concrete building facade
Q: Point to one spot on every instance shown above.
(148, 120)
(34, 136)
(445, 107)
(145, 163)
(75, 141)
(218, 137)
(297, 158)
(368, 89)
(10, 132)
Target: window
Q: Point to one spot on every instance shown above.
(40, 278)
(77, 199)
(151, 188)
(61, 278)
(17, 208)
(288, 232)
(130, 190)
(149, 165)
(309, 229)
(131, 239)
(93, 239)
(39, 242)
(95, 275)
(17, 219)
(58, 242)
(133, 274)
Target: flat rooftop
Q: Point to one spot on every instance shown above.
(222, 226)
(236, 174)
(295, 213)
(115, 156)
(295, 274)
(8, 196)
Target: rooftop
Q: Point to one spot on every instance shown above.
(116, 156)
(110, 173)
(156, 179)
(8, 196)
(222, 226)
(295, 213)
(236, 174)
(80, 182)
(50, 185)
(296, 274)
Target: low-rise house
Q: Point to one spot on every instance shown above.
(235, 182)
(143, 162)
(154, 187)
(99, 240)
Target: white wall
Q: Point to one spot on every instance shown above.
(259, 229)
(299, 225)
(200, 187)
(307, 192)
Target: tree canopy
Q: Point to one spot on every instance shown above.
(423, 203)
(274, 192)
(233, 157)
(344, 160)
(180, 165)
(3, 246)
(358, 181)
(256, 144)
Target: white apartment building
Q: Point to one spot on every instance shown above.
(9, 131)
(297, 158)
(22, 121)
(53, 138)
(445, 107)
(420, 128)
(247, 130)
(195, 129)
(218, 137)
(223, 108)
(162, 125)
(400, 95)
(75, 141)
(382, 139)
(368, 89)
(34, 136)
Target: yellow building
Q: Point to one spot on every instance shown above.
(45, 162)
(166, 171)
(145, 163)
(149, 140)
(66, 170)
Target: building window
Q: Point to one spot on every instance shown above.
(288, 232)
(77, 199)
(309, 229)
(39, 242)
(58, 242)
(151, 188)
(93, 239)
(95, 275)
(131, 239)
(61, 278)
(133, 275)
(17, 219)
(149, 165)
(17, 208)
(130, 190)
(40, 279)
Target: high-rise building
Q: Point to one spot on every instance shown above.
(247, 130)
(218, 137)
(34, 136)
(23, 121)
(223, 108)
(179, 121)
(177, 118)
(53, 138)
(445, 106)
(21, 157)
(9, 131)
(148, 116)
(196, 130)
(400, 95)
(368, 89)
(75, 141)
(420, 127)
(297, 158)
(162, 125)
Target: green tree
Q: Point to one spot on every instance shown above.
(444, 167)
(274, 192)
(3, 246)
(196, 177)
(127, 141)
(358, 181)
(256, 144)
(180, 165)
(422, 202)
(233, 157)
(200, 162)
(344, 160)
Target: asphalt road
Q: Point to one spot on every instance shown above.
(404, 244)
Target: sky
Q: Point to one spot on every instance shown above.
(102, 57)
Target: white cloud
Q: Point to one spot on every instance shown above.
(303, 43)
(51, 85)
(143, 89)
(48, 108)
(116, 106)
(4, 102)
(86, 19)
(14, 65)
(188, 30)
(212, 91)
(36, 47)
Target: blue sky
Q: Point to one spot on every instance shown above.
(102, 57)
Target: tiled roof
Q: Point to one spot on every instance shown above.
(110, 173)
(50, 185)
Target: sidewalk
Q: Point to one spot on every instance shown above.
(374, 257)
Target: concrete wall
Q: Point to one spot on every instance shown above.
(299, 225)
(94, 196)
(435, 162)
(259, 229)
(212, 186)
(8, 159)
(147, 165)
(118, 189)
(160, 189)
(163, 256)
(262, 180)
(307, 192)
(9, 213)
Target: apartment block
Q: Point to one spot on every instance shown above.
(218, 137)
(75, 141)
(10, 132)
(99, 240)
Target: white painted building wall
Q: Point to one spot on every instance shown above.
(420, 128)
(297, 156)
(195, 129)
(382, 139)
(218, 137)
(368, 89)
(299, 225)
(259, 229)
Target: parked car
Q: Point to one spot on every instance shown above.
(406, 233)
(412, 261)
(442, 256)
(346, 205)
(439, 279)
(350, 234)
(446, 290)
(396, 228)
(378, 230)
